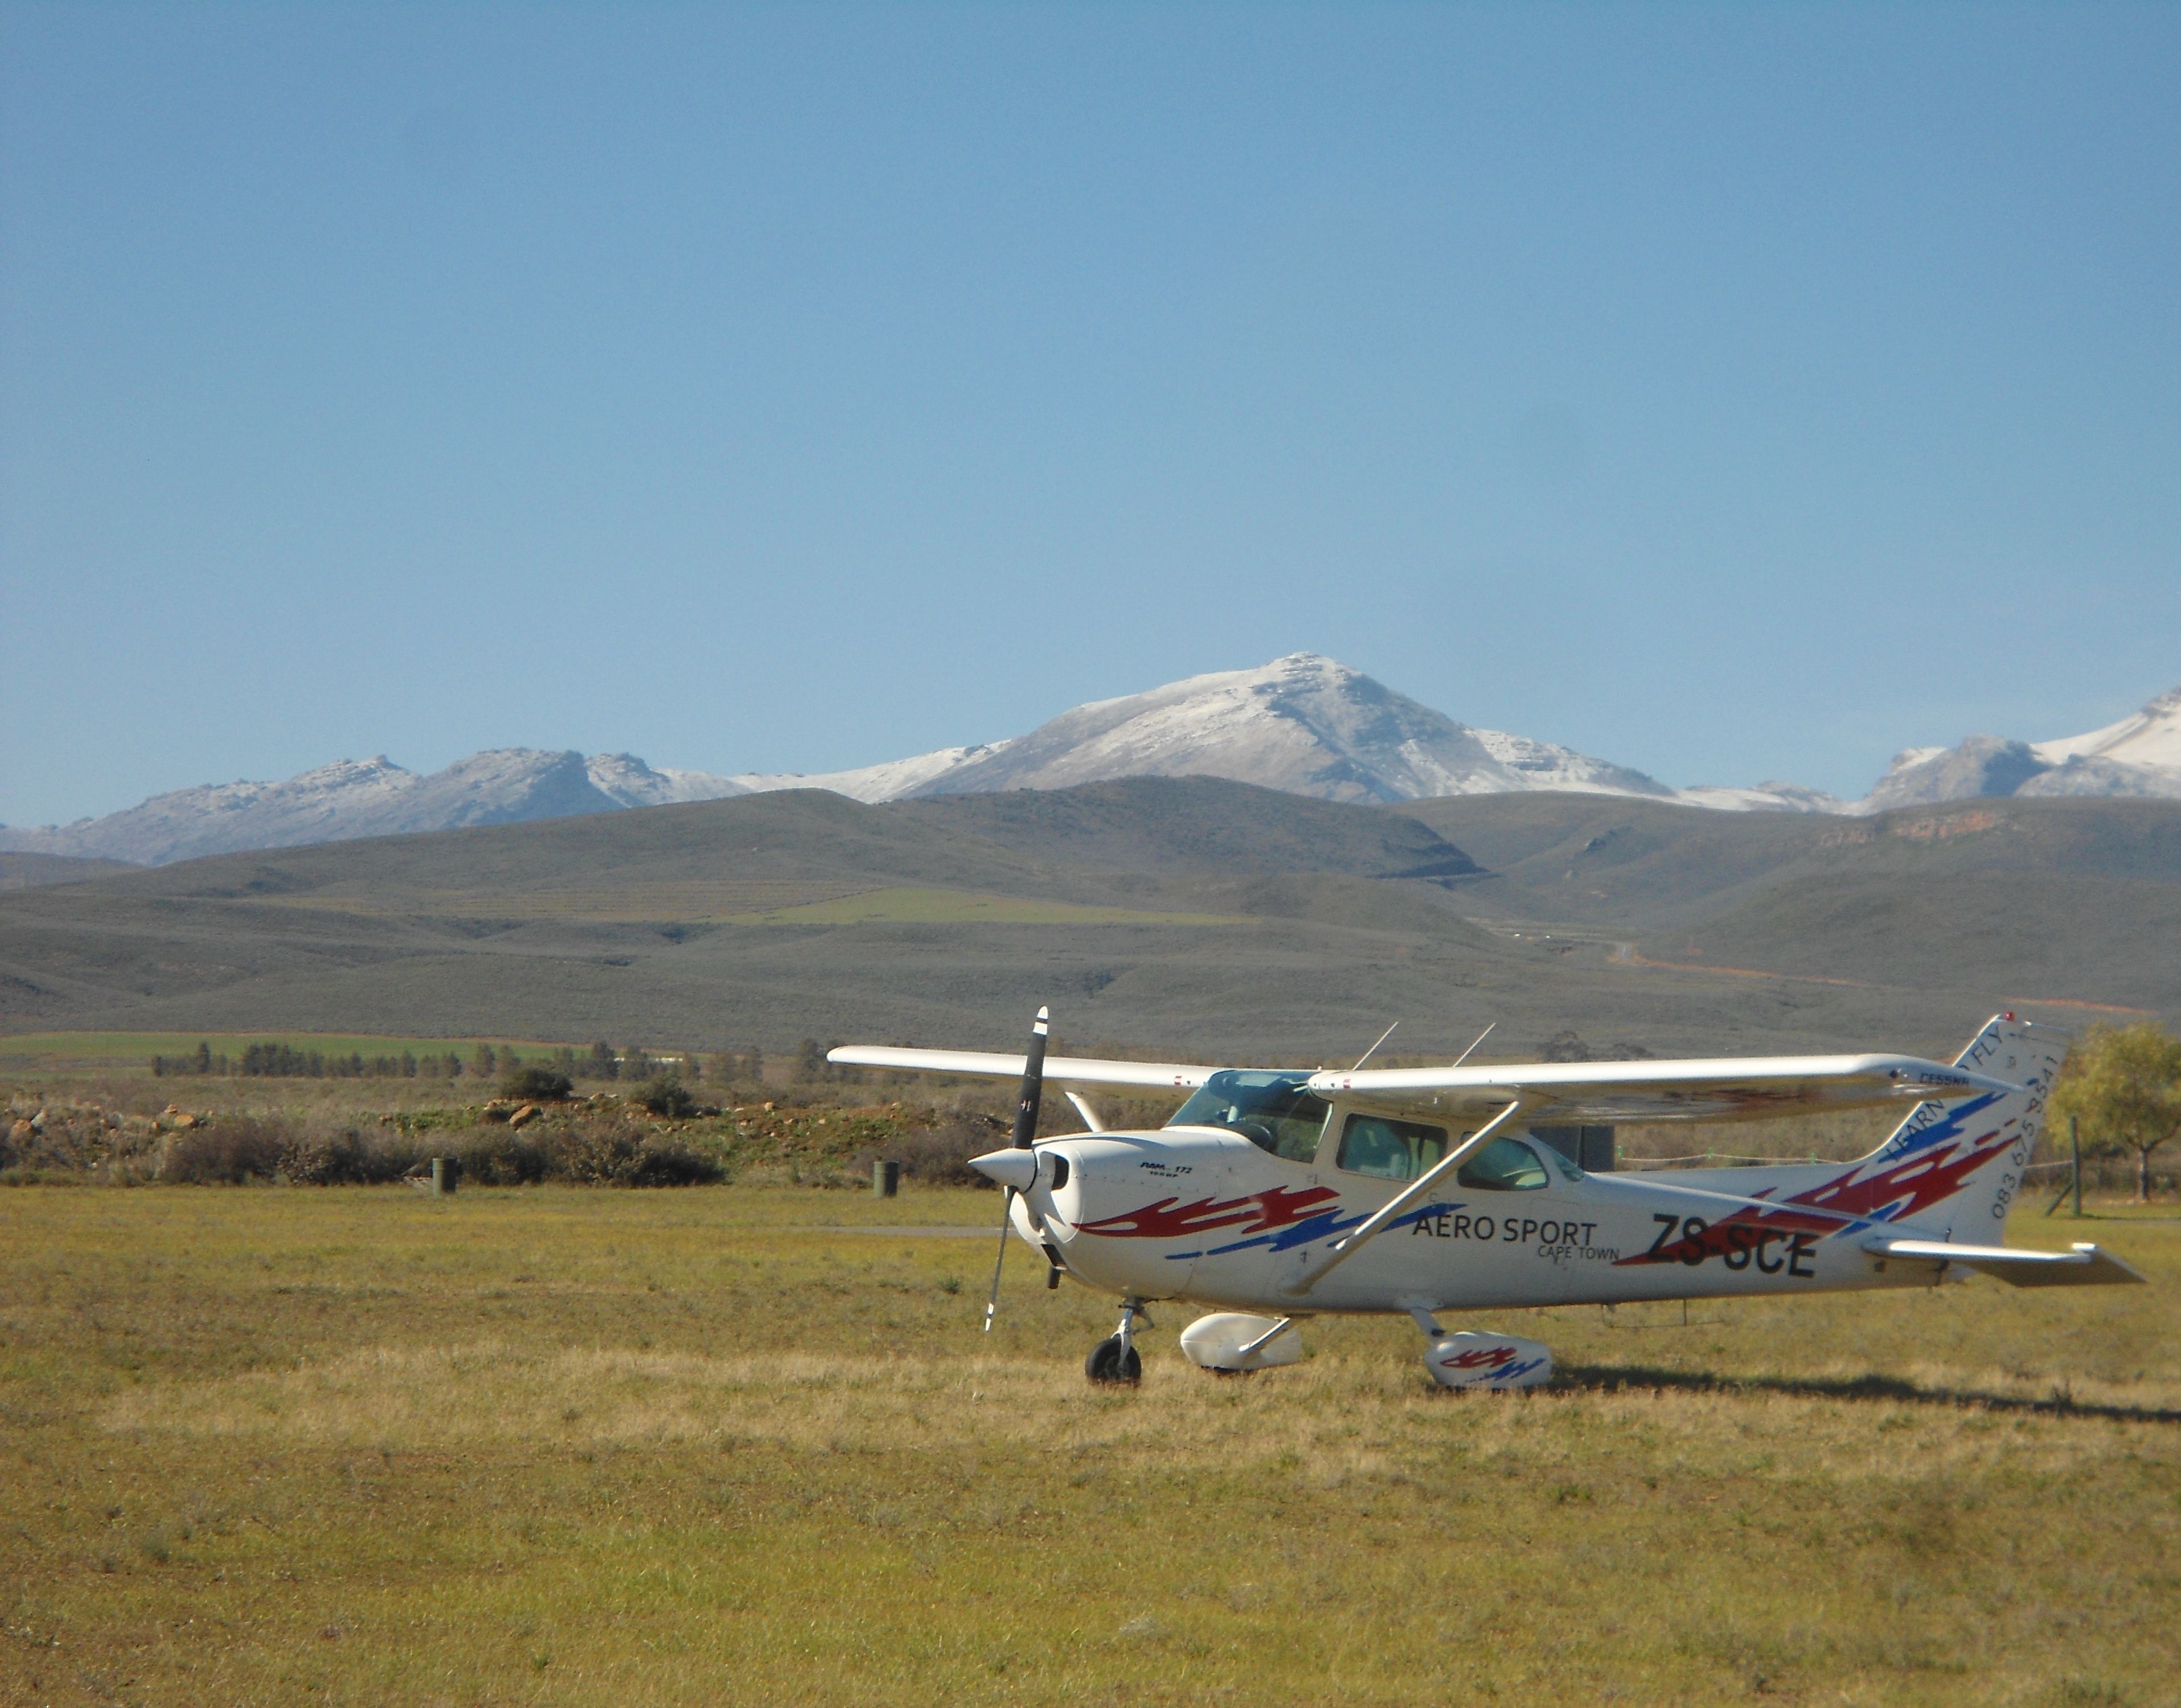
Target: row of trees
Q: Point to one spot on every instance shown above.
(279, 1060)
(2122, 1085)
(602, 1061)
(276, 1059)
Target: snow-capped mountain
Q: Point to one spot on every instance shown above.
(370, 797)
(1303, 724)
(891, 782)
(2140, 755)
(1307, 724)
(626, 781)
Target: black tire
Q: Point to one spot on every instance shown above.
(1110, 1366)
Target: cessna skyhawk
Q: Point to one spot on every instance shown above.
(1277, 1193)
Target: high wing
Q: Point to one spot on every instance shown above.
(1747, 1089)
(1735, 1089)
(1064, 1071)
(2085, 1266)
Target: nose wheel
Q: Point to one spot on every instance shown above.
(1114, 1362)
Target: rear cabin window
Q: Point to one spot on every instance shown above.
(1390, 1149)
(1272, 1111)
(1505, 1164)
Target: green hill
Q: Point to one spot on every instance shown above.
(1183, 915)
(1641, 866)
(29, 871)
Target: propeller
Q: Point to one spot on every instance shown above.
(1026, 1107)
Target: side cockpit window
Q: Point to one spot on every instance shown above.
(1505, 1164)
(1390, 1149)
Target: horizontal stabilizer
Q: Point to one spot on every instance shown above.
(1063, 1071)
(2085, 1266)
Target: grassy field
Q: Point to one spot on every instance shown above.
(569, 1446)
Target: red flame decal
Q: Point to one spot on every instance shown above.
(1260, 1213)
(1908, 1186)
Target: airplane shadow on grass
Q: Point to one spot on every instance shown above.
(1607, 1379)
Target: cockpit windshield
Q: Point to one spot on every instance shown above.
(1272, 1111)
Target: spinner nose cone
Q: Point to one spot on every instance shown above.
(1010, 1167)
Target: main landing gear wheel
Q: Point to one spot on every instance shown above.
(1114, 1363)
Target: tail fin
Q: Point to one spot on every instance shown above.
(1953, 1169)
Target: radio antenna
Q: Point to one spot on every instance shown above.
(1471, 1050)
(1373, 1050)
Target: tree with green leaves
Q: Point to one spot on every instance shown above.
(2123, 1084)
(537, 1084)
(666, 1094)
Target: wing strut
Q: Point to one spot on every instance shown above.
(1344, 1248)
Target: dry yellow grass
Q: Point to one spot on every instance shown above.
(568, 1446)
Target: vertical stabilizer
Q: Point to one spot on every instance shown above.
(1952, 1169)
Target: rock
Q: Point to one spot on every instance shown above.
(185, 1121)
(22, 1130)
(524, 1115)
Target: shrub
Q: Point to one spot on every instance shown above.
(231, 1150)
(343, 1156)
(536, 1083)
(611, 1154)
(666, 1095)
(497, 1156)
(940, 1155)
(669, 1162)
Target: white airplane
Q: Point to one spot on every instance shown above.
(1279, 1193)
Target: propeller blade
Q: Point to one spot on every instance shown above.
(1026, 1107)
(999, 1262)
(1033, 1082)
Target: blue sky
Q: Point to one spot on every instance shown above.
(1731, 393)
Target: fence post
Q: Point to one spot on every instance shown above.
(886, 1179)
(2075, 1150)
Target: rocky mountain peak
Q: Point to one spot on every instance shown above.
(1303, 724)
